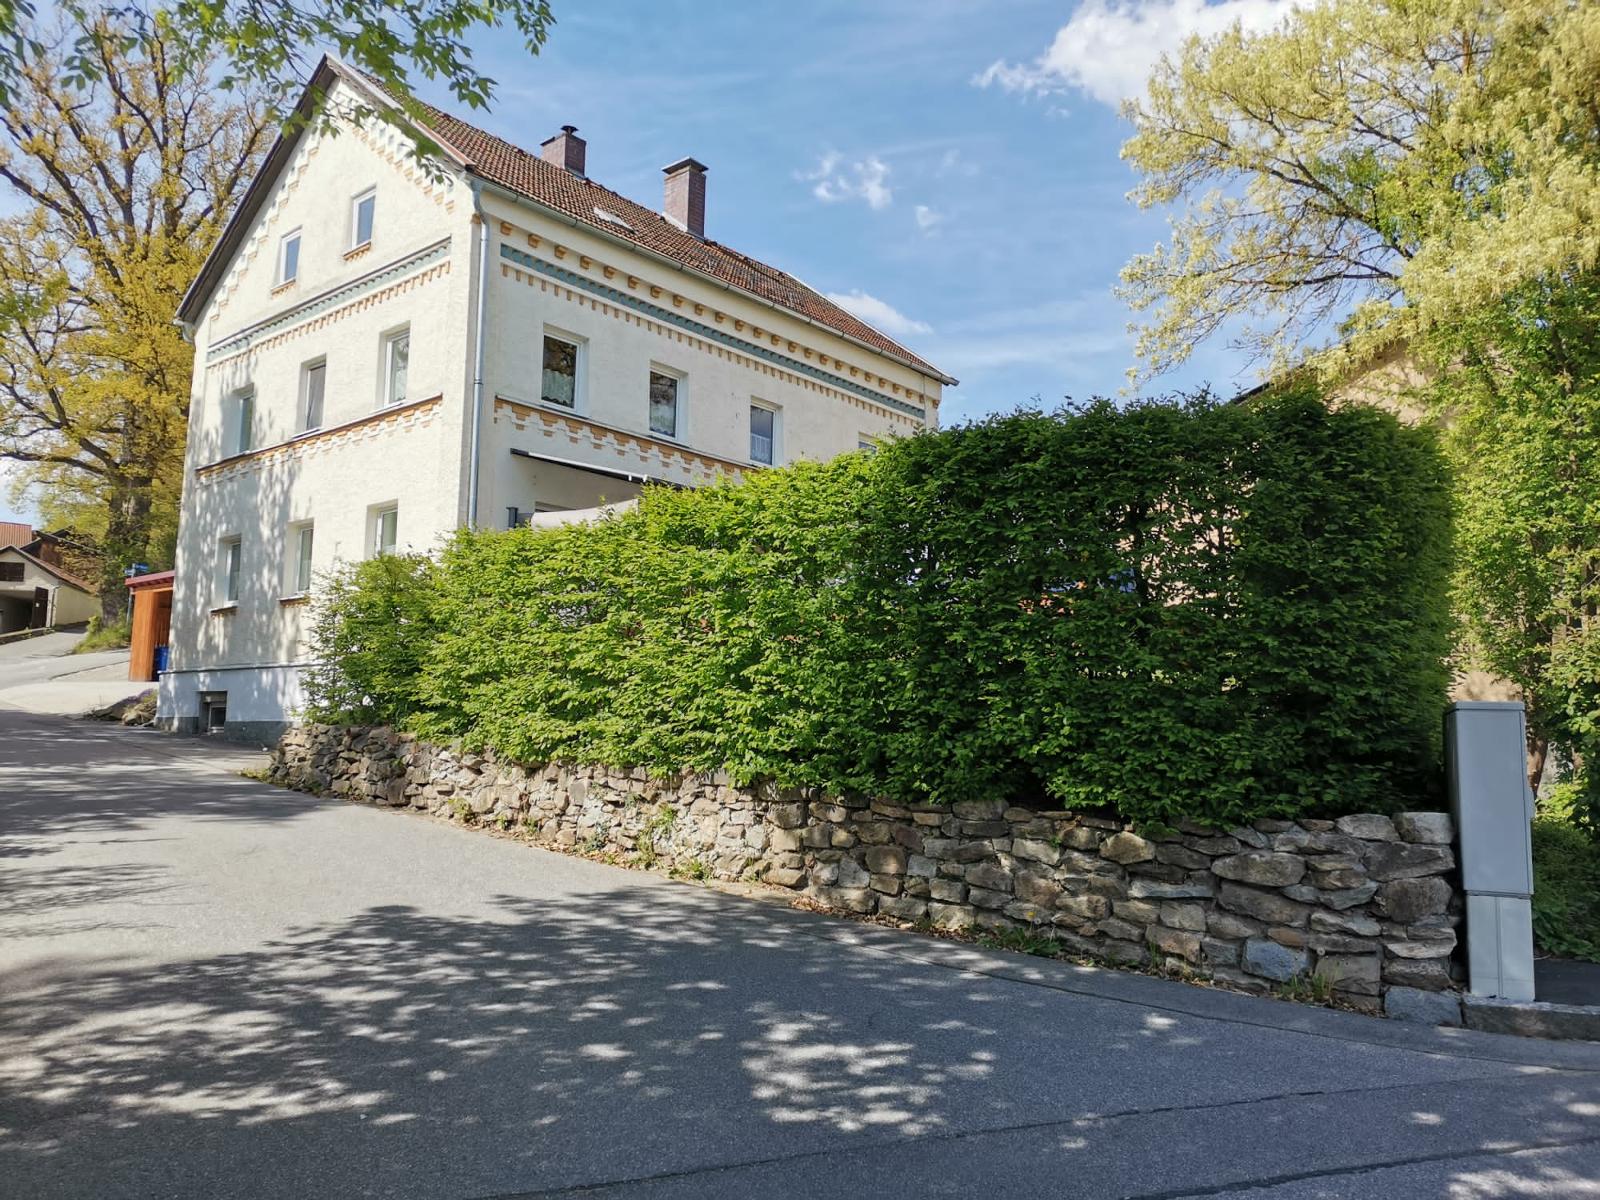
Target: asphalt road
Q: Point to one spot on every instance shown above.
(213, 988)
(42, 675)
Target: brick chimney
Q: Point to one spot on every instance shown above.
(566, 149)
(685, 201)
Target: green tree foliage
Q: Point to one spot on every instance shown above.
(1566, 877)
(271, 46)
(1519, 383)
(1396, 162)
(374, 625)
(1202, 611)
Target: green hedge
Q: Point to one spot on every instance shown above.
(1196, 611)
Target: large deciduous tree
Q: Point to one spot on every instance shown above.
(1390, 163)
(116, 183)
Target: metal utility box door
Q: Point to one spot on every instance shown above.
(1486, 743)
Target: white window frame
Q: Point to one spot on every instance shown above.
(300, 534)
(230, 569)
(391, 339)
(283, 257)
(375, 516)
(304, 418)
(777, 432)
(244, 420)
(580, 373)
(356, 201)
(866, 442)
(680, 424)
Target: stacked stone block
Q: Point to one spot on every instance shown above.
(1366, 905)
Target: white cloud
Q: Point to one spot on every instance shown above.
(867, 179)
(880, 314)
(954, 163)
(1109, 47)
(1054, 339)
(926, 217)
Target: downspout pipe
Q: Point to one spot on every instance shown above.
(477, 354)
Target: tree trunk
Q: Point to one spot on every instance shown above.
(127, 532)
(1538, 750)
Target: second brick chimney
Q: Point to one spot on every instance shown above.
(685, 200)
(566, 149)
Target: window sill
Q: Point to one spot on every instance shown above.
(225, 610)
(357, 251)
(279, 289)
(292, 601)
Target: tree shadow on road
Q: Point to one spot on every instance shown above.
(608, 1035)
(555, 1045)
(60, 776)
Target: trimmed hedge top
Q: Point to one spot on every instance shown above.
(1197, 611)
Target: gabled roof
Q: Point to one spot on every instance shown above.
(15, 533)
(66, 577)
(548, 186)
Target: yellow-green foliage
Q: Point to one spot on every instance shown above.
(1402, 160)
(1198, 611)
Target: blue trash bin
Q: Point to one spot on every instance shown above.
(161, 660)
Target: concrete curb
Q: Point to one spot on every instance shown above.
(1532, 1018)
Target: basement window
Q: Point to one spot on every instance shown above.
(213, 711)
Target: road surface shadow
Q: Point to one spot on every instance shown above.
(615, 1035)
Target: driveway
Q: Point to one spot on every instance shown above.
(42, 675)
(213, 988)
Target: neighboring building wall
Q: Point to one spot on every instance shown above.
(68, 603)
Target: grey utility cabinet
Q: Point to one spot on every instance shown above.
(1486, 756)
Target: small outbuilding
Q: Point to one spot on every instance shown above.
(152, 624)
(35, 594)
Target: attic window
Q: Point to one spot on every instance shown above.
(611, 218)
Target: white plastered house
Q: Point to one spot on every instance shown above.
(385, 353)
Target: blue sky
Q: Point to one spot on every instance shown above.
(948, 168)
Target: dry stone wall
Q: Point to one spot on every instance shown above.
(1367, 906)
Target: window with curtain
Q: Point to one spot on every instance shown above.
(385, 529)
(303, 542)
(763, 434)
(245, 435)
(313, 385)
(664, 404)
(232, 554)
(397, 356)
(560, 382)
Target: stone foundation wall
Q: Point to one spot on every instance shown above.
(1367, 905)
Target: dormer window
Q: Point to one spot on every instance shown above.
(362, 209)
(289, 257)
